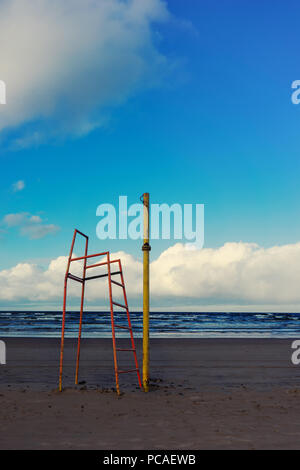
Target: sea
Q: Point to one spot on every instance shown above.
(162, 324)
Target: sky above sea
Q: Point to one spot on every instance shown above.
(189, 101)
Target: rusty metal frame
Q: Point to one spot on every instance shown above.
(82, 280)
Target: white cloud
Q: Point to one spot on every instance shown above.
(18, 186)
(235, 272)
(35, 230)
(31, 282)
(67, 61)
(242, 276)
(13, 220)
(29, 225)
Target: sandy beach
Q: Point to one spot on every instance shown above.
(205, 394)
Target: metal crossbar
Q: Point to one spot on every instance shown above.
(82, 280)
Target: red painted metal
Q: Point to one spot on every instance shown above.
(121, 284)
(129, 324)
(89, 256)
(81, 309)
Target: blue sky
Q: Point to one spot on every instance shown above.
(218, 128)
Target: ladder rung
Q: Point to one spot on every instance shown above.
(95, 277)
(74, 278)
(101, 275)
(122, 349)
(102, 264)
(117, 283)
(125, 371)
(123, 327)
(96, 265)
(120, 305)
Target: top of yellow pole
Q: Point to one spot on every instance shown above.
(146, 246)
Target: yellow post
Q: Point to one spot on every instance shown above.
(146, 249)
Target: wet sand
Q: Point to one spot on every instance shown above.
(204, 394)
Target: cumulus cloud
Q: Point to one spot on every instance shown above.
(29, 225)
(12, 220)
(241, 274)
(66, 62)
(18, 186)
(33, 283)
(235, 272)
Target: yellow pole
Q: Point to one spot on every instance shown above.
(146, 249)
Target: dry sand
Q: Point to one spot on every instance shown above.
(205, 394)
